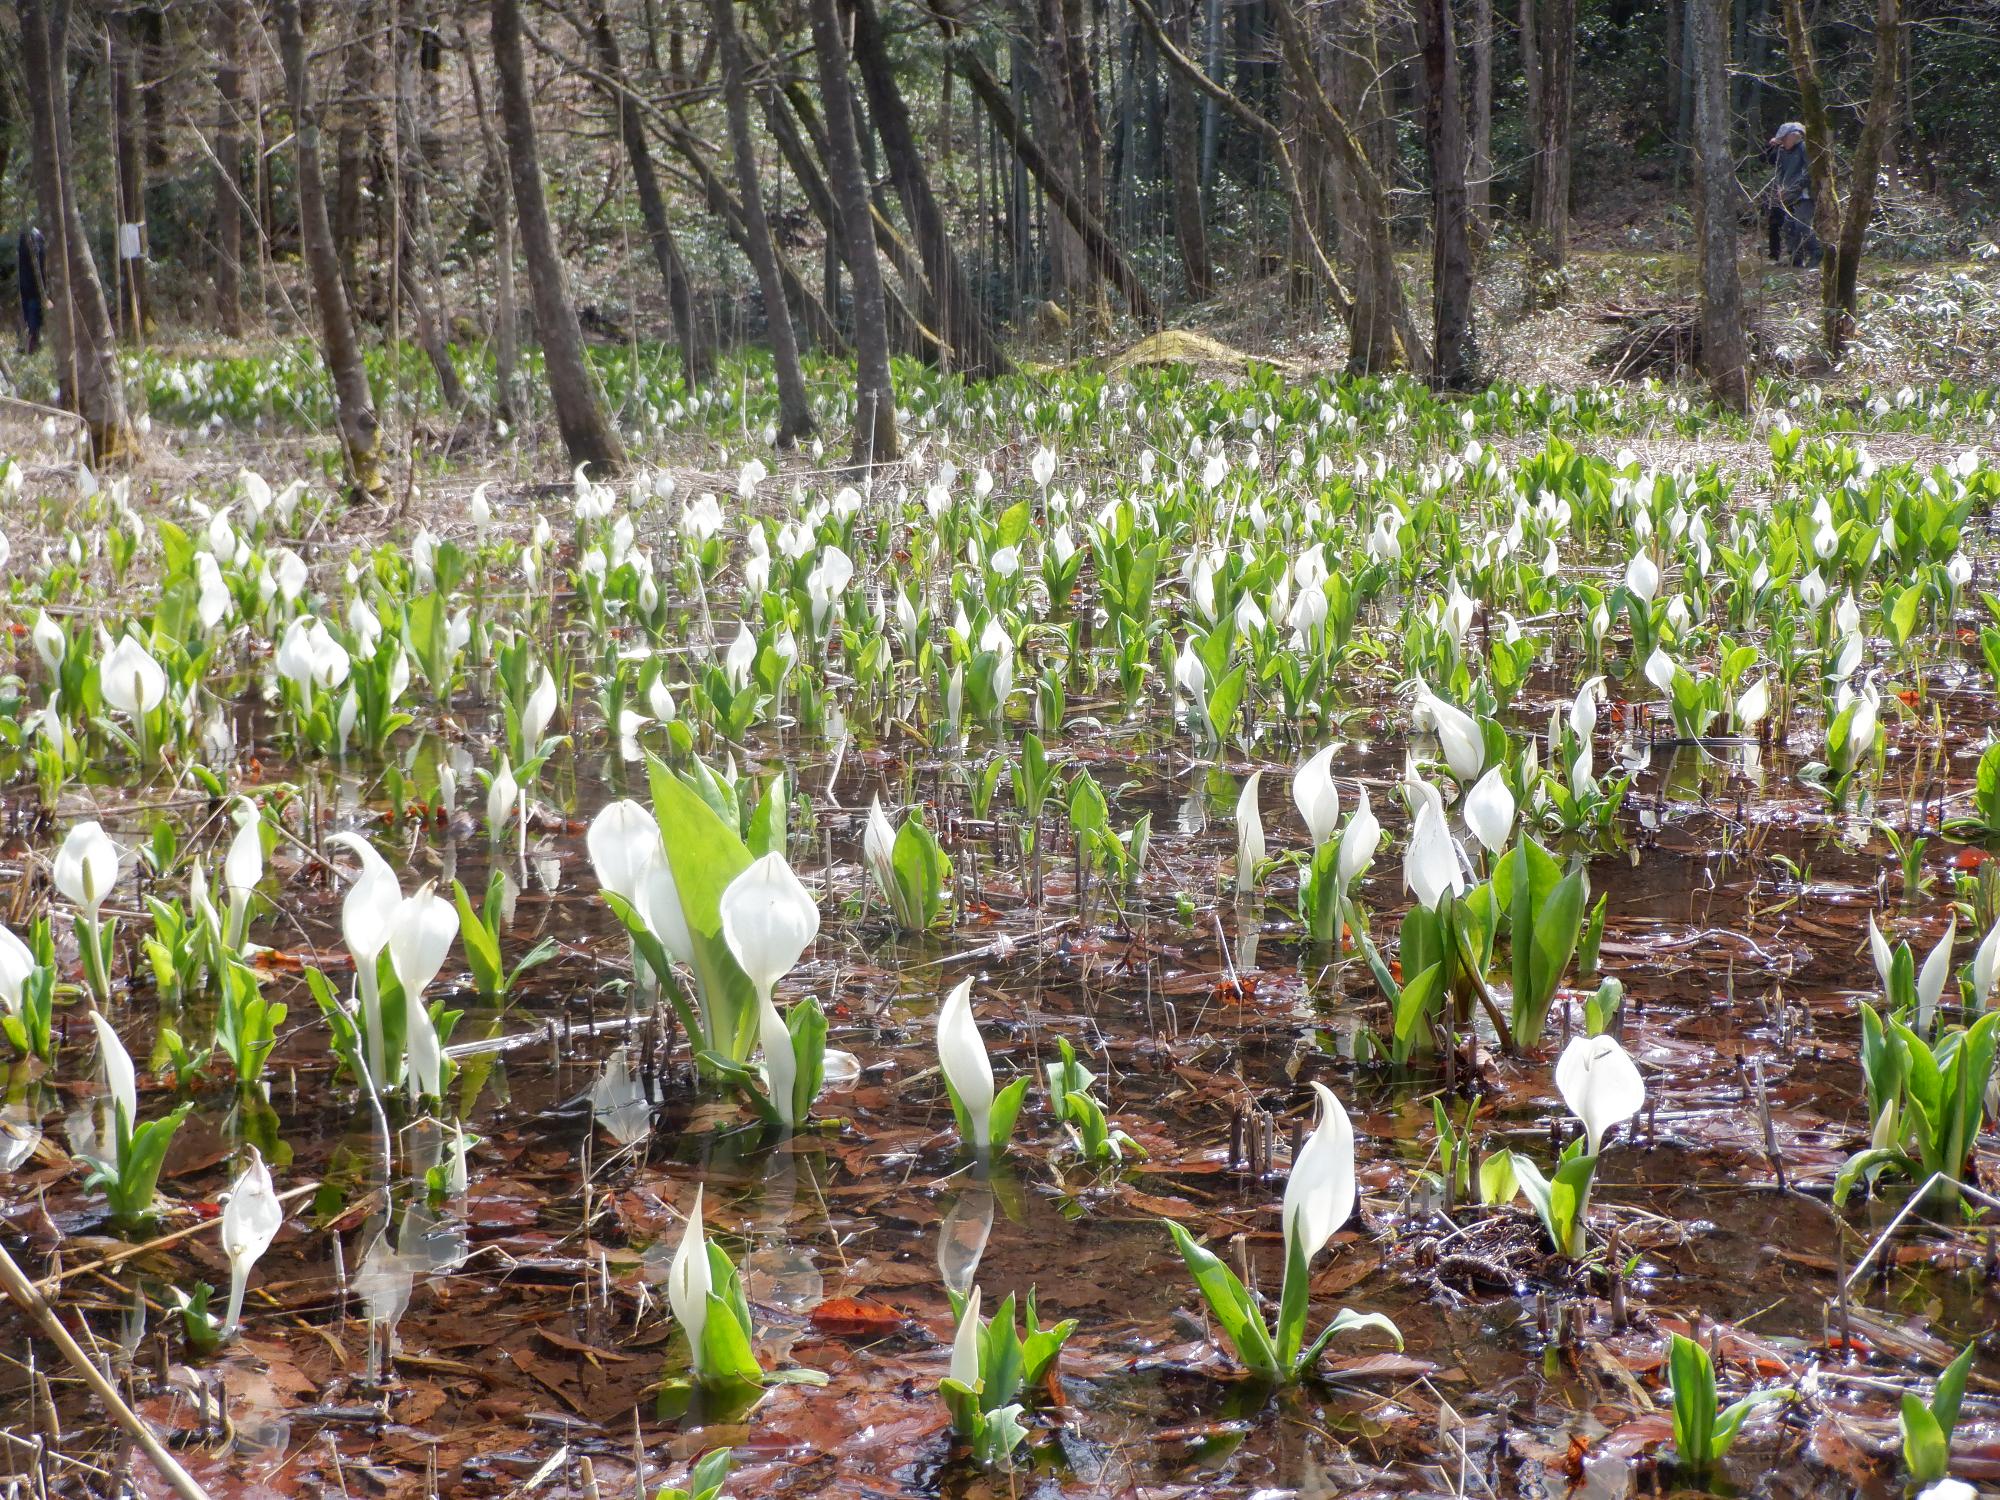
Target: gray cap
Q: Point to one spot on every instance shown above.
(1790, 127)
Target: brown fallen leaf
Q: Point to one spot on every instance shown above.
(856, 1317)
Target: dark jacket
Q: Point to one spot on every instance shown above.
(1792, 182)
(32, 273)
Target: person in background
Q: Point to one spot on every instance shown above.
(31, 271)
(1790, 210)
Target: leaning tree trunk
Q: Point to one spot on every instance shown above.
(801, 141)
(1480, 186)
(1548, 198)
(505, 333)
(805, 306)
(129, 242)
(353, 136)
(413, 211)
(1104, 253)
(1724, 356)
(1842, 283)
(85, 347)
(874, 389)
(1384, 334)
(963, 328)
(794, 411)
(697, 361)
(1842, 229)
(1454, 348)
(586, 429)
(1184, 165)
(226, 36)
(353, 402)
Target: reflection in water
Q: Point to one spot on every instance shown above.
(425, 1245)
(21, 1132)
(618, 1102)
(962, 1235)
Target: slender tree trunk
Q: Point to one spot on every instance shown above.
(795, 419)
(1548, 204)
(129, 241)
(1183, 129)
(697, 361)
(85, 347)
(874, 389)
(1843, 288)
(802, 142)
(1104, 252)
(353, 402)
(963, 328)
(226, 37)
(1670, 101)
(810, 313)
(1480, 186)
(1454, 348)
(1383, 333)
(414, 238)
(1724, 356)
(354, 116)
(586, 429)
(1842, 229)
(505, 333)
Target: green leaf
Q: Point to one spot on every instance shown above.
(1013, 525)
(1006, 1107)
(1230, 1304)
(1926, 1449)
(482, 948)
(767, 823)
(1730, 1421)
(1692, 1380)
(1951, 1391)
(807, 1024)
(1420, 997)
(1498, 1183)
(1225, 700)
(705, 855)
(725, 1357)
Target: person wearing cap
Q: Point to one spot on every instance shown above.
(1789, 215)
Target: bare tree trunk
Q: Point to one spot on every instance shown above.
(795, 419)
(506, 331)
(587, 433)
(1843, 287)
(1104, 252)
(963, 328)
(1724, 356)
(1548, 201)
(1067, 116)
(129, 241)
(697, 361)
(85, 347)
(874, 389)
(353, 402)
(413, 238)
(1383, 334)
(1842, 229)
(354, 128)
(811, 314)
(1480, 187)
(1454, 347)
(1184, 165)
(802, 142)
(226, 36)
